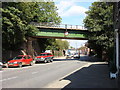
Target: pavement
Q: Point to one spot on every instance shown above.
(93, 75)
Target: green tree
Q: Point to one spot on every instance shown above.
(58, 44)
(62, 44)
(16, 19)
(99, 22)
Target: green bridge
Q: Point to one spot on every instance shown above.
(62, 31)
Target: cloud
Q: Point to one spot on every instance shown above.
(75, 11)
(70, 8)
(63, 6)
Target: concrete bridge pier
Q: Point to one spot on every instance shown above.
(30, 50)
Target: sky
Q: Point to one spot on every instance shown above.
(73, 12)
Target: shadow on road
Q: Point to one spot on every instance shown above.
(94, 76)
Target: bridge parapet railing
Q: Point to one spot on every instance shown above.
(63, 26)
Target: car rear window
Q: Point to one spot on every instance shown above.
(29, 57)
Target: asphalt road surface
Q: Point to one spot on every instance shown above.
(39, 75)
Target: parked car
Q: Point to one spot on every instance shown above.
(76, 55)
(21, 60)
(69, 56)
(1, 64)
(44, 57)
(73, 56)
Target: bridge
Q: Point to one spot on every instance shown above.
(60, 31)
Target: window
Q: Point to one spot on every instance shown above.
(29, 57)
(25, 57)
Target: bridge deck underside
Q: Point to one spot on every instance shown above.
(60, 33)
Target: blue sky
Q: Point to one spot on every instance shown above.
(73, 13)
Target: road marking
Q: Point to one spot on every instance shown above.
(8, 79)
(34, 72)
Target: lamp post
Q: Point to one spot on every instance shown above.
(116, 30)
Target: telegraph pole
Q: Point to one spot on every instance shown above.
(117, 33)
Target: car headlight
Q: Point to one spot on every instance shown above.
(15, 62)
(42, 58)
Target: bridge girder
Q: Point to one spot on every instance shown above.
(59, 33)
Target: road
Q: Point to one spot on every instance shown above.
(39, 75)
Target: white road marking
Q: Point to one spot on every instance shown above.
(8, 79)
(34, 72)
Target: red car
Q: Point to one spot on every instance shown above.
(21, 60)
(44, 57)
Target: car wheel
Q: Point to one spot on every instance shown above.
(31, 63)
(6, 66)
(72, 58)
(20, 65)
(51, 60)
(45, 61)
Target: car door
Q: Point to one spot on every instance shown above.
(46, 56)
(49, 55)
(24, 60)
(29, 59)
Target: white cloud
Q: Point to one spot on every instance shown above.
(66, 8)
(75, 11)
(63, 6)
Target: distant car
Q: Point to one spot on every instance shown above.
(70, 56)
(44, 57)
(76, 55)
(4, 64)
(1, 64)
(21, 60)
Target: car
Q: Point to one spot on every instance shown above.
(20, 60)
(1, 64)
(76, 55)
(44, 57)
(69, 56)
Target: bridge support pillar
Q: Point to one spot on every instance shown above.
(30, 50)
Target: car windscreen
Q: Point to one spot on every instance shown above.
(42, 55)
(17, 58)
(76, 54)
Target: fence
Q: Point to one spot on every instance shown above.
(63, 26)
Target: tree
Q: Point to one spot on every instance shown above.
(58, 44)
(16, 19)
(99, 22)
(62, 44)
(47, 13)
